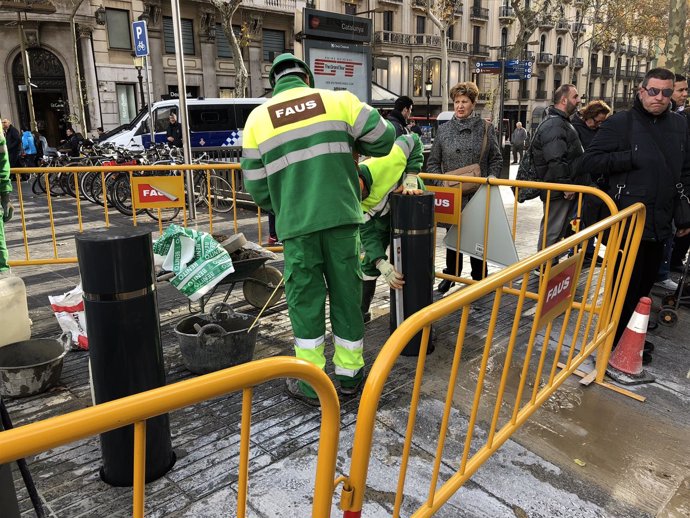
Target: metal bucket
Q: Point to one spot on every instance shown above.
(30, 367)
(210, 342)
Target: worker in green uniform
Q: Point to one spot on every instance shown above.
(7, 209)
(297, 160)
(396, 172)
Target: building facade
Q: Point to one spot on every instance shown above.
(405, 48)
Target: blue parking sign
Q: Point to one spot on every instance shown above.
(141, 38)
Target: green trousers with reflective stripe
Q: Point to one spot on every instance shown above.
(324, 262)
(4, 256)
(376, 234)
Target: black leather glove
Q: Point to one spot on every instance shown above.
(7, 208)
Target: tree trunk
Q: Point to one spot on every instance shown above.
(675, 42)
(227, 11)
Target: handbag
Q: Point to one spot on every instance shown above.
(681, 208)
(473, 170)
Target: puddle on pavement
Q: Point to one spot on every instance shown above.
(638, 458)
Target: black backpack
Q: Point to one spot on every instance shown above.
(527, 170)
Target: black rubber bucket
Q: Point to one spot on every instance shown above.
(210, 342)
(30, 367)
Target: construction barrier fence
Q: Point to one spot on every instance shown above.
(557, 320)
(135, 410)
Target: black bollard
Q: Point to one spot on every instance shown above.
(412, 243)
(8, 496)
(125, 350)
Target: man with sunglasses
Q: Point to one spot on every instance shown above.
(643, 153)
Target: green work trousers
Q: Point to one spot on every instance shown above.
(323, 262)
(4, 255)
(376, 235)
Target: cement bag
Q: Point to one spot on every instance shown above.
(198, 261)
(69, 311)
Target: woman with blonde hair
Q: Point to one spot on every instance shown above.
(463, 141)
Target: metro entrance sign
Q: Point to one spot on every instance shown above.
(514, 69)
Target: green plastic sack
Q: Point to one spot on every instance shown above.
(198, 260)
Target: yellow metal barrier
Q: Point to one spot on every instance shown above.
(453, 197)
(50, 433)
(68, 207)
(588, 306)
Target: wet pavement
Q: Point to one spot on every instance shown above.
(587, 452)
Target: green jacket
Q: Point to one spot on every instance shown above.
(297, 155)
(383, 175)
(5, 183)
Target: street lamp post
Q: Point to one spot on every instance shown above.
(138, 64)
(428, 85)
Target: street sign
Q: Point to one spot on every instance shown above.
(488, 64)
(487, 70)
(518, 77)
(141, 38)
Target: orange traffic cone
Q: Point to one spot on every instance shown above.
(625, 364)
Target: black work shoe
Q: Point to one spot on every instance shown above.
(678, 268)
(302, 391)
(351, 386)
(445, 285)
(646, 357)
(367, 317)
(652, 325)
(648, 346)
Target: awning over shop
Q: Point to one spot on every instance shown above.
(382, 98)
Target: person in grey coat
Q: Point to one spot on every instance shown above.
(459, 144)
(517, 142)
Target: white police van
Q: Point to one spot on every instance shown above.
(213, 123)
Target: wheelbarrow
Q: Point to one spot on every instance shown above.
(258, 280)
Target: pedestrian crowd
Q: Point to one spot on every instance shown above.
(300, 161)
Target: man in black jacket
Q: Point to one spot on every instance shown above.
(174, 133)
(557, 151)
(399, 115)
(644, 153)
(14, 143)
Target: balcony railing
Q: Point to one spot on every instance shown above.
(541, 95)
(595, 71)
(458, 46)
(577, 28)
(458, 10)
(607, 71)
(639, 76)
(283, 6)
(530, 56)
(479, 13)
(524, 95)
(506, 13)
(631, 51)
(561, 60)
(477, 49)
(396, 2)
(562, 26)
(621, 48)
(396, 38)
(577, 62)
(545, 22)
(544, 58)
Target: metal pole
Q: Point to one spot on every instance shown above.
(27, 74)
(501, 102)
(428, 108)
(80, 97)
(182, 115)
(141, 88)
(150, 92)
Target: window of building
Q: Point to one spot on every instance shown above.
(542, 43)
(454, 73)
(504, 41)
(223, 48)
(476, 36)
(418, 76)
(557, 80)
(434, 73)
(559, 46)
(126, 102)
(274, 43)
(450, 33)
(350, 9)
(421, 24)
(388, 21)
(187, 36)
(602, 90)
(117, 23)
